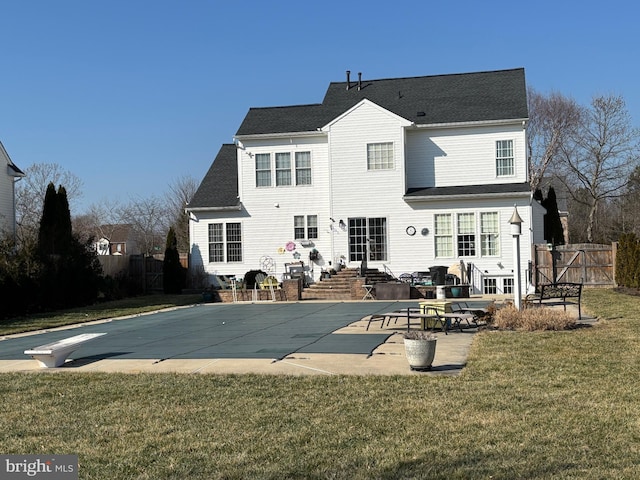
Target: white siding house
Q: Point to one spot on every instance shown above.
(115, 239)
(406, 173)
(9, 174)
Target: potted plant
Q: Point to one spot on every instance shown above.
(420, 349)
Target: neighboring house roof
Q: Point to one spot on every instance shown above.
(115, 233)
(219, 188)
(430, 100)
(468, 190)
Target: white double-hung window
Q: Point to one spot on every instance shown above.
(225, 238)
(283, 169)
(263, 169)
(489, 234)
(443, 235)
(466, 230)
(300, 228)
(466, 234)
(380, 156)
(216, 243)
(234, 242)
(505, 163)
(303, 168)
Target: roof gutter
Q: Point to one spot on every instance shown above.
(231, 208)
(463, 196)
(260, 136)
(523, 121)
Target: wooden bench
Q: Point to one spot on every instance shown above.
(557, 294)
(55, 354)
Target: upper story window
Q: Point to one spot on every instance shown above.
(505, 164)
(380, 156)
(303, 168)
(263, 170)
(285, 170)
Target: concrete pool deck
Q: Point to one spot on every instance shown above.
(284, 338)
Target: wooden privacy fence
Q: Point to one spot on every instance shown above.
(590, 264)
(142, 270)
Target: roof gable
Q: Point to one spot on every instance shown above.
(365, 102)
(219, 188)
(115, 233)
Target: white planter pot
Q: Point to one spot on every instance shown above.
(420, 353)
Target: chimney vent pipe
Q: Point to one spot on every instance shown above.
(359, 80)
(348, 79)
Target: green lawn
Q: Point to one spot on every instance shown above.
(528, 405)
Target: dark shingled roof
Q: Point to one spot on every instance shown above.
(466, 97)
(219, 188)
(115, 233)
(494, 189)
(456, 98)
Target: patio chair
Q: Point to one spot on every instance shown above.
(295, 271)
(406, 278)
(401, 313)
(477, 312)
(446, 321)
(268, 282)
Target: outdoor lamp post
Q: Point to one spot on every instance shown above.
(516, 231)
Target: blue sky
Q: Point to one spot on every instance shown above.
(131, 95)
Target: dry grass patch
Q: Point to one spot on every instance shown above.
(532, 319)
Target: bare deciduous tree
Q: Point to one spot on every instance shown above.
(180, 193)
(149, 219)
(30, 193)
(99, 220)
(628, 205)
(552, 119)
(600, 156)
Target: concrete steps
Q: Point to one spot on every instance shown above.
(338, 286)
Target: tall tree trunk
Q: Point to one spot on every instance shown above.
(593, 210)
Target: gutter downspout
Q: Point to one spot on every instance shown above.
(329, 159)
(14, 225)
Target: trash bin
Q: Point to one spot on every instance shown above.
(438, 275)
